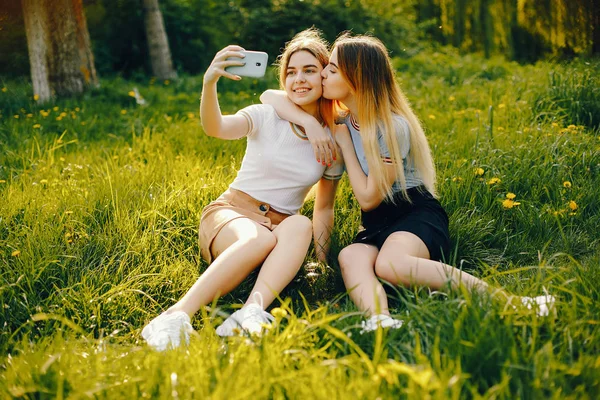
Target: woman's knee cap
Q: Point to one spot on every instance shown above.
(345, 258)
(302, 224)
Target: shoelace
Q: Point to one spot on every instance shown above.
(255, 313)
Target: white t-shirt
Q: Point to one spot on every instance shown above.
(279, 166)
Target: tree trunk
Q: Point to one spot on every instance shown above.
(158, 45)
(60, 52)
(37, 39)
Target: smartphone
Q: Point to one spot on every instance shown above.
(255, 64)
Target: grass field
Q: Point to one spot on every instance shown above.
(100, 199)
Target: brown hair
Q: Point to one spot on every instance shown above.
(312, 41)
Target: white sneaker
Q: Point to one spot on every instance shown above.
(166, 330)
(542, 304)
(380, 320)
(232, 325)
(254, 318)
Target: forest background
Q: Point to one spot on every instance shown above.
(522, 30)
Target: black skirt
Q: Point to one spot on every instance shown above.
(424, 217)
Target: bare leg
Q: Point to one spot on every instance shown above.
(357, 263)
(404, 259)
(293, 238)
(242, 245)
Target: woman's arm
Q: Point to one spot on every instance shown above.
(323, 217)
(214, 123)
(323, 144)
(365, 189)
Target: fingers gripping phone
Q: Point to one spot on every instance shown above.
(255, 64)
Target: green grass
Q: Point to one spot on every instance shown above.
(99, 211)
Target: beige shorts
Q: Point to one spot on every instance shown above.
(231, 205)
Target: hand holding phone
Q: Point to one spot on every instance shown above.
(255, 64)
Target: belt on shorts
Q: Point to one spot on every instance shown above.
(249, 202)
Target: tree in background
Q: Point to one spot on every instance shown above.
(60, 54)
(523, 30)
(158, 45)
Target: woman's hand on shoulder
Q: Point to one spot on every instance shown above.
(342, 137)
(322, 143)
(220, 62)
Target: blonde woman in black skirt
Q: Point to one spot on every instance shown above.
(404, 234)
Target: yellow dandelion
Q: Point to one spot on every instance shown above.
(500, 128)
(526, 130)
(77, 109)
(63, 114)
(83, 123)
(451, 98)
(501, 105)
(4, 89)
(55, 108)
(29, 115)
(59, 118)
(510, 196)
(573, 206)
(479, 171)
(2, 180)
(567, 184)
(43, 181)
(167, 82)
(431, 116)
(554, 124)
(17, 116)
(123, 112)
(36, 97)
(37, 126)
(278, 312)
(191, 115)
(457, 179)
(131, 93)
(508, 203)
(62, 159)
(16, 253)
(494, 181)
(168, 118)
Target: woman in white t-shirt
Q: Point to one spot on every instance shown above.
(255, 222)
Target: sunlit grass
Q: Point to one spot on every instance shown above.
(100, 199)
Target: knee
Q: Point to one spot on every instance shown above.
(301, 225)
(345, 259)
(263, 242)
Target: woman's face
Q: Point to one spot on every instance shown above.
(335, 87)
(303, 78)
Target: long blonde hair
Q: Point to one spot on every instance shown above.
(365, 64)
(312, 41)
